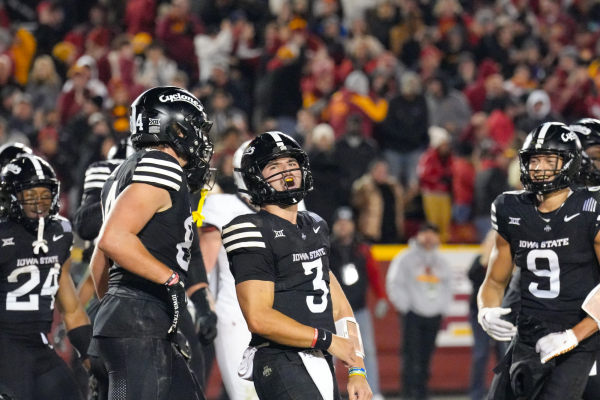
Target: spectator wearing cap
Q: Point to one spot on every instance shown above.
(419, 286)
(351, 262)
(326, 196)
(87, 67)
(403, 134)
(177, 31)
(355, 98)
(379, 201)
(435, 178)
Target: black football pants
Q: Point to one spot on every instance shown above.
(146, 368)
(31, 370)
(283, 376)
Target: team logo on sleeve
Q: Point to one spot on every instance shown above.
(514, 221)
(278, 233)
(9, 241)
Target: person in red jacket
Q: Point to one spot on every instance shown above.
(435, 178)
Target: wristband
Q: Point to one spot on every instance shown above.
(324, 339)
(80, 338)
(173, 279)
(316, 335)
(357, 371)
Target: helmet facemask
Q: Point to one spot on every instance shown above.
(253, 175)
(549, 180)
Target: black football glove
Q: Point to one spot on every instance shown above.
(206, 318)
(178, 301)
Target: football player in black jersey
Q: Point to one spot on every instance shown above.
(550, 231)
(35, 257)
(147, 234)
(289, 298)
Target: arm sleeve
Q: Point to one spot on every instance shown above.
(395, 285)
(159, 169)
(196, 271)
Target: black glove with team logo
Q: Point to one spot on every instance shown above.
(206, 318)
(178, 301)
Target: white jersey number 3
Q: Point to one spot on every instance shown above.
(318, 284)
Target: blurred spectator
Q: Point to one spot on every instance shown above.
(410, 23)
(122, 67)
(78, 128)
(483, 343)
(177, 31)
(21, 121)
(490, 182)
(306, 123)
(44, 83)
(500, 123)
(70, 102)
(326, 196)
(381, 20)
(419, 286)
(156, 69)
(222, 113)
(430, 59)
(466, 71)
(353, 155)
(356, 271)
(140, 16)
(448, 107)
(521, 83)
(49, 30)
(402, 136)
(22, 52)
(48, 146)
(7, 80)
(213, 49)
(87, 67)
(463, 183)
(379, 202)
(435, 177)
(478, 91)
(11, 137)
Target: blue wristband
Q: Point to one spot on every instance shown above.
(357, 371)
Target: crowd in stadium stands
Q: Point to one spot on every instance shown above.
(410, 110)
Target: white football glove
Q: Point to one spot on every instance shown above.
(555, 344)
(489, 319)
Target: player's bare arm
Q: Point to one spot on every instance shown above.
(99, 265)
(498, 274)
(130, 213)
(210, 244)
(67, 300)
(358, 387)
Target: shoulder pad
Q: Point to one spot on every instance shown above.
(315, 217)
(65, 223)
(159, 169)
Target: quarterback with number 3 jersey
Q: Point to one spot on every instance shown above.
(291, 301)
(551, 232)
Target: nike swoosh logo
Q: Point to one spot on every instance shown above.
(567, 218)
(55, 238)
(316, 230)
(324, 333)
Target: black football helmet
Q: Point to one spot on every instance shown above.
(10, 151)
(551, 138)
(259, 152)
(173, 116)
(588, 131)
(24, 172)
(121, 150)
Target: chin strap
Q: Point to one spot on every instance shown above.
(197, 215)
(40, 243)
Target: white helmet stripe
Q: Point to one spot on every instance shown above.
(36, 164)
(278, 140)
(542, 135)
